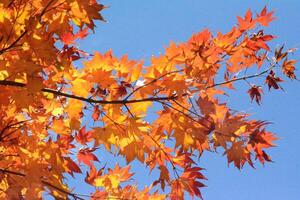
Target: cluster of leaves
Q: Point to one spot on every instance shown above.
(45, 99)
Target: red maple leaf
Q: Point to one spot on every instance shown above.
(96, 113)
(273, 81)
(86, 156)
(72, 166)
(255, 92)
(84, 136)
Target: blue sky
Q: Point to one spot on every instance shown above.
(143, 28)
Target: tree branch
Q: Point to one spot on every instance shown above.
(75, 196)
(5, 171)
(13, 43)
(90, 100)
(243, 77)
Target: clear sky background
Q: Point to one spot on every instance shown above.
(142, 28)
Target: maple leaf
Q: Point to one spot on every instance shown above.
(255, 92)
(82, 33)
(69, 38)
(84, 136)
(132, 151)
(264, 138)
(113, 178)
(72, 166)
(193, 173)
(93, 174)
(257, 45)
(288, 68)
(123, 173)
(188, 182)
(272, 81)
(65, 141)
(247, 22)
(86, 156)
(183, 159)
(177, 190)
(121, 90)
(259, 140)
(238, 154)
(164, 176)
(265, 18)
(45, 97)
(81, 87)
(96, 113)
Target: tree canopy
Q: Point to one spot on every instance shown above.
(55, 113)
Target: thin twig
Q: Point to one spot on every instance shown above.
(186, 108)
(243, 77)
(153, 81)
(183, 113)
